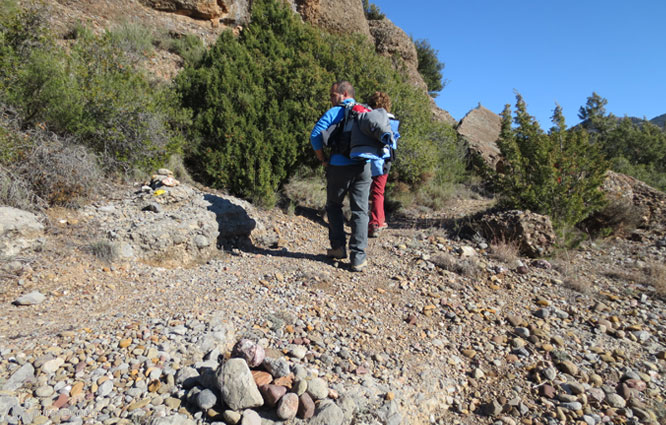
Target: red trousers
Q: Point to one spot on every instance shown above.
(377, 217)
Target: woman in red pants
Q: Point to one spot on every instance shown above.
(380, 168)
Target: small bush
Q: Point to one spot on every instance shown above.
(59, 172)
(189, 47)
(655, 276)
(16, 192)
(307, 189)
(103, 250)
(134, 39)
(618, 217)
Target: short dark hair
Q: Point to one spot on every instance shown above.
(380, 100)
(345, 86)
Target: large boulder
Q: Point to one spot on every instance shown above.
(480, 130)
(177, 224)
(630, 200)
(533, 233)
(340, 16)
(19, 231)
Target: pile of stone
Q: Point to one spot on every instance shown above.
(250, 383)
(164, 177)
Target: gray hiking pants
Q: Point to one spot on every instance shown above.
(355, 180)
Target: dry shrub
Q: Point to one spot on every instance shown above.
(468, 267)
(571, 276)
(16, 192)
(103, 250)
(655, 275)
(505, 251)
(61, 173)
(306, 190)
(619, 216)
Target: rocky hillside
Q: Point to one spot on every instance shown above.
(207, 19)
(164, 303)
(128, 309)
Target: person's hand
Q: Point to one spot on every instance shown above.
(324, 163)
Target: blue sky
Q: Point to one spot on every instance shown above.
(549, 51)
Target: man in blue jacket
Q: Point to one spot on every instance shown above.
(344, 176)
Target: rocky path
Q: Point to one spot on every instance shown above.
(436, 331)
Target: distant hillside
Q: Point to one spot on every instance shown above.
(660, 121)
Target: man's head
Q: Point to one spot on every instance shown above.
(340, 91)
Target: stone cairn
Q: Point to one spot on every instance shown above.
(249, 380)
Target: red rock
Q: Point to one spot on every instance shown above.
(288, 406)
(306, 407)
(272, 393)
(61, 401)
(261, 377)
(636, 384)
(285, 381)
(547, 390)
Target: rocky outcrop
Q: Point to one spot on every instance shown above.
(237, 11)
(480, 129)
(168, 223)
(19, 231)
(340, 16)
(532, 232)
(649, 202)
(393, 42)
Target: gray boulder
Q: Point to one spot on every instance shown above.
(237, 386)
(32, 298)
(186, 228)
(328, 413)
(22, 375)
(19, 231)
(480, 130)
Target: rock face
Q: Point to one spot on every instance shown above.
(237, 11)
(19, 231)
(391, 41)
(533, 232)
(480, 129)
(340, 16)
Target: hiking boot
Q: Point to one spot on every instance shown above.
(375, 230)
(337, 253)
(359, 267)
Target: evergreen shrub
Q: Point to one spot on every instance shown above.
(254, 100)
(556, 173)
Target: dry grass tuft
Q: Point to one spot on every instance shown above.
(505, 251)
(571, 276)
(103, 250)
(306, 191)
(654, 274)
